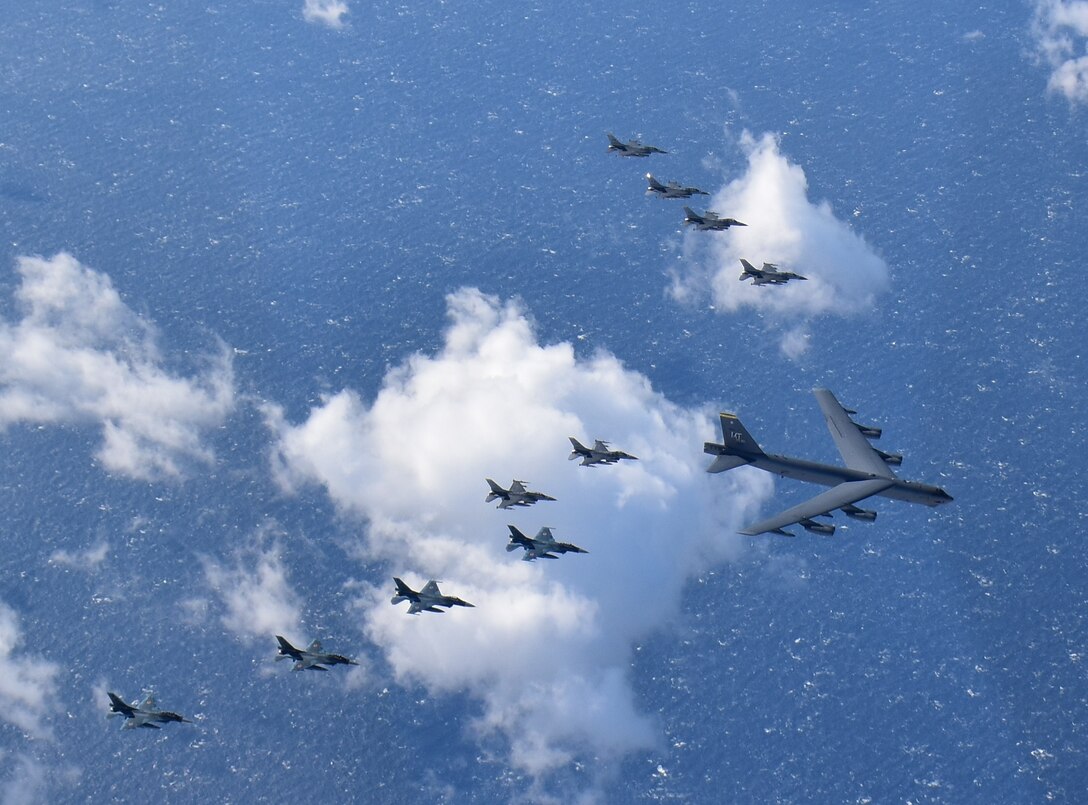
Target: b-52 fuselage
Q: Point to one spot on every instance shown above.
(429, 599)
(631, 148)
(312, 658)
(542, 546)
(710, 221)
(672, 189)
(143, 715)
(768, 275)
(600, 453)
(516, 495)
(867, 472)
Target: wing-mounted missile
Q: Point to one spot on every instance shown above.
(855, 513)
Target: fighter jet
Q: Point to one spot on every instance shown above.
(709, 221)
(542, 546)
(426, 600)
(312, 658)
(672, 189)
(143, 714)
(600, 453)
(867, 472)
(768, 275)
(516, 495)
(632, 148)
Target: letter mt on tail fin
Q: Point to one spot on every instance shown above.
(737, 448)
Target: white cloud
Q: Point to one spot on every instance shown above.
(785, 228)
(1060, 29)
(258, 598)
(88, 560)
(80, 355)
(27, 684)
(325, 12)
(547, 648)
(27, 784)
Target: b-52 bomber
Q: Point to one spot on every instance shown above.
(600, 453)
(312, 658)
(867, 472)
(768, 275)
(429, 599)
(632, 148)
(143, 714)
(516, 495)
(710, 221)
(672, 189)
(542, 546)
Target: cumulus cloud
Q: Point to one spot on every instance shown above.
(27, 684)
(325, 12)
(255, 591)
(88, 560)
(27, 784)
(785, 228)
(1060, 29)
(547, 648)
(80, 355)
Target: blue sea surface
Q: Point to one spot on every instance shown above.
(309, 196)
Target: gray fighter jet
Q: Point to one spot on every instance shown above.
(672, 189)
(632, 148)
(312, 658)
(143, 714)
(867, 472)
(516, 495)
(710, 221)
(429, 599)
(768, 275)
(600, 453)
(542, 546)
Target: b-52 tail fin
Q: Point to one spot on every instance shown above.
(737, 448)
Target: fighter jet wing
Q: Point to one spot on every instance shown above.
(834, 498)
(853, 447)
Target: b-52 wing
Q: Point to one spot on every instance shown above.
(837, 497)
(850, 437)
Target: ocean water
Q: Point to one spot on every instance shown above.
(310, 196)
